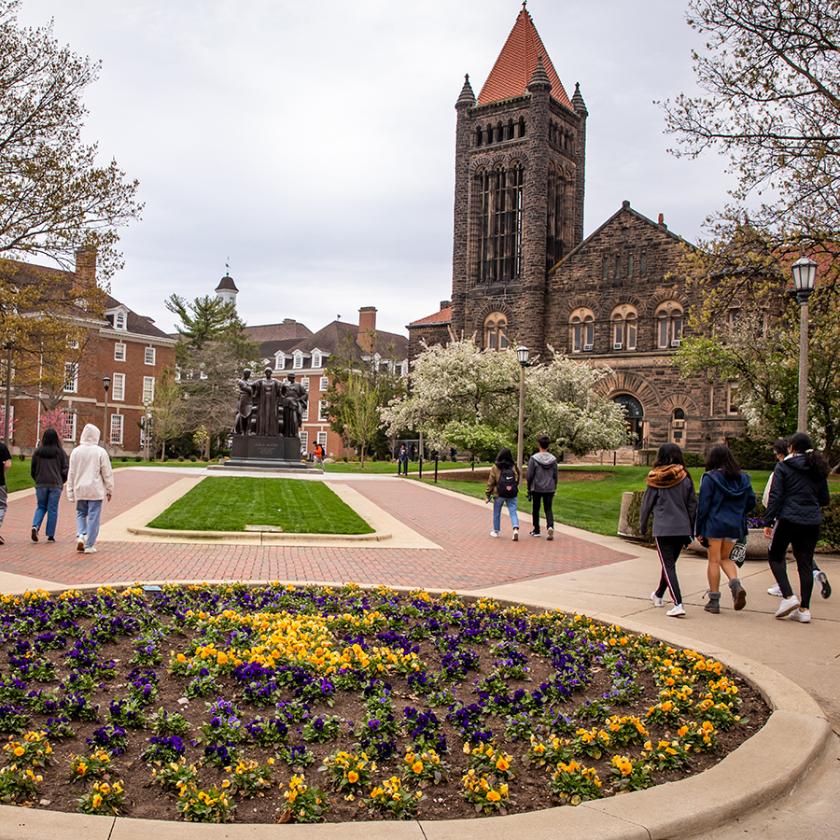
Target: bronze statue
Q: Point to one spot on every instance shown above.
(242, 423)
(268, 393)
(295, 398)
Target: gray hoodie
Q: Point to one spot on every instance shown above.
(542, 473)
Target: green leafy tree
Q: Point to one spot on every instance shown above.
(206, 319)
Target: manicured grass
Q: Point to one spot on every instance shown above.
(229, 504)
(591, 502)
(390, 467)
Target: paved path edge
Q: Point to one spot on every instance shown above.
(764, 767)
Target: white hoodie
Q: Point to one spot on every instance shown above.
(90, 476)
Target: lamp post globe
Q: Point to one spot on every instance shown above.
(804, 273)
(522, 354)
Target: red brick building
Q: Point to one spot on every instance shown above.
(123, 346)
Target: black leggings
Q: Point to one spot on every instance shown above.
(803, 538)
(547, 502)
(668, 549)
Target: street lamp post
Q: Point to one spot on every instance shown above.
(804, 274)
(7, 403)
(106, 432)
(522, 356)
(147, 428)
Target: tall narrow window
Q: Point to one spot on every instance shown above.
(500, 224)
(71, 377)
(669, 324)
(643, 263)
(116, 436)
(624, 327)
(554, 220)
(118, 387)
(148, 389)
(582, 330)
(495, 332)
(149, 355)
(605, 267)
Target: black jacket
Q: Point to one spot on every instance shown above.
(797, 493)
(49, 467)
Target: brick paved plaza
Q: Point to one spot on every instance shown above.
(467, 558)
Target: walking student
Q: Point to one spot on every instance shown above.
(541, 478)
(670, 497)
(781, 451)
(402, 460)
(89, 482)
(726, 497)
(799, 490)
(503, 488)
(6, 461)
(49, 472)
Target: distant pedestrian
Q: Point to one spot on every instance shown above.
(781, 451)
(90, 481)
(541, 478)
(49, 472)
(726, 497)
(799, 490)
(503, 488)
(670, 497)
(6, 462)
(402, 460)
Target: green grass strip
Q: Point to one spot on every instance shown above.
(229, 504)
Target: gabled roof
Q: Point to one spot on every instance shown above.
(138, 324)
(287, 330)
(441, 317)
(516, 63)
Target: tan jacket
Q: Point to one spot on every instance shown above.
(90, 476)
(493, 480)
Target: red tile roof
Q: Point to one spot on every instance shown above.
(442, 316)
(515, 65)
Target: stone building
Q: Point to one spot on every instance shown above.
(523, 274)
(122, 346)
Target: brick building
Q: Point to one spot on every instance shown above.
(523, 274)
(123, 346)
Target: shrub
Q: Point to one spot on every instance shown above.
(693, 459)
(753, 453)
(830, 530)
(138, 458)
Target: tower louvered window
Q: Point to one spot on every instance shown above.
(500, 224)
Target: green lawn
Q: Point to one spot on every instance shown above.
(591, 502)
(229, 504)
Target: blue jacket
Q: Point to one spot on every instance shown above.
(723, 506)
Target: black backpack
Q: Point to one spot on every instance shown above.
(507, 486)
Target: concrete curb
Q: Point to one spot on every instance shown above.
(261, 537)
(760, 770)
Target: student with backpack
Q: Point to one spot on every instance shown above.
(726, 497)
(799, 490)
(503, 488)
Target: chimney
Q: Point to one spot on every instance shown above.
(445, 304)
(86, 266)
(367, 328)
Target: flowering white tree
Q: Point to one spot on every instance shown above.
(465, 397)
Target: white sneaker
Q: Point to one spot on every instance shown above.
(516, 534)
(803, 616)
(787, 606)
(494, 534)
(92, 550)
(657, 601)
(676, 611)
(550, 535)
(80, 542)
(776, 590)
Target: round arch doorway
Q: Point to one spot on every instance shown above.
(634, 418)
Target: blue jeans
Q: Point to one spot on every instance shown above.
(497, 512)
(47, 499)
(88, 512)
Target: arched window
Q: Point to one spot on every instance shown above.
(509, 131)
(495, 332)
(279, 360)
(634, 416)
(582, 330)
(624, 323)
(669, 324)
(522, 126)
(678, 426)
(499, 195)
(316, 359)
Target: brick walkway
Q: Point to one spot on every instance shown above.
(468, 558)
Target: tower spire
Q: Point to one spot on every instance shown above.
(539, 78)
(467, 97)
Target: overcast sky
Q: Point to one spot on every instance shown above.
(312, 142)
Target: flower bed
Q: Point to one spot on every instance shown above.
(300, 704)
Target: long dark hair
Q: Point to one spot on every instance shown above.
(780, 446)
(669, 454)
(720, 457)
(50, 445)
(504, 458)
(801, 444)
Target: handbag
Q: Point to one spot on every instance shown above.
(739, 552)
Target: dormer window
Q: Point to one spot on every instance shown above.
(298, 360)
(316, 359)
(279, 361)
(120, 320)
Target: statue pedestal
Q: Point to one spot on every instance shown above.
(264, 452)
